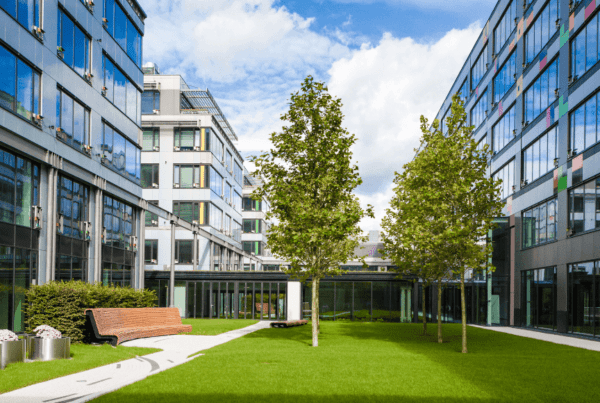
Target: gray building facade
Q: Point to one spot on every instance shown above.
(530, 89)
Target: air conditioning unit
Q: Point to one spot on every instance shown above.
(155, 111)
(556, 92)
(155, 222)
(176, 185)
(196, 185)
(175, 148)
(87, 149)
(570, 232)
(197, 148)
(555, 162)
(222, 230)
(86, 229)
(572, 153)
(222, 195)
(524, 182)
(514, 188)
(156, 148)
(155, 185)
(195, 222)
(154, 261)
(514, 132)
(176, 261)
(104, 89)
(557, 22)
(230, 203)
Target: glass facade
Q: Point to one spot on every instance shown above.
(505, 78)
(504, 131)
(479, 68)
(119, 222)
(121, 91)
(238, 173)
(538, 298)
(541, 93)
(539, 158)
(479, 111)
(73, 121)
(27, 13)
(539, 224)
(584, 48)
(73, 44)
(505, 27)
(119, 26)
(540, 32)
(18, 267)
(507, 175)
(73, 208)
(19, 189)
(584, 207)
(583, 126)
(120, 154)
(19, 85)
(583, 303)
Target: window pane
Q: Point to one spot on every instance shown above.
(8, 72)
(579, 129)
(147, 103)
(131, 100)
(591, 34)
(66, 115)
(146, 181)
(120, 27)
(68, 29)
(79, 125)
(186, 176)
(130, 158)
(132, 42)
(81, 48)
(24, 90)
(119, 152)
(590, 122)
(120, 90)
(109, 79)
(24, 193)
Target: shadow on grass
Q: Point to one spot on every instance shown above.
(279, 398)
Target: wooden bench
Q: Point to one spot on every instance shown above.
(117, 325)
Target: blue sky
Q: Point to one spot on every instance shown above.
(388, 60)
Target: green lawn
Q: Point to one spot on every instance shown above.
(368, 362)
(83, 357)
(212, 327)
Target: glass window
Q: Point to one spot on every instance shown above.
(192, 211)
(73, 121)
(121, 91)
(236, 231)
(507, 175)
(541, 93)
(183, 251)
(150, 102)
(238, 173)
(216, 182)
(118, 223)
(26, 12)
(539, 298)
(120, 154)
(539, 157)
(120, 34)
(73, 44)
(584, 207)
(504, 131)
(505, 26)
(120, 26)
(478, 112)
(253, 247)
(149, 176)
(132, 95)
(19, 85)
(109, 16)
(187, 140)
(539, 224)
(584, 48)
(505, 78)
(463, 92)
(237, 201)
(216, 218)
(151, 218)
(190, 176)
(229, 162)
(583, 285)
(541, 30)
(151, 251)
(217, 148)
(479, 68)
(72, 206)
(583, 125)
(150, 140)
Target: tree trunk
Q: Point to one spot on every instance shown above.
(463, 309)
(424, 314)
(318, 311)
(315, 312)
(439, 310)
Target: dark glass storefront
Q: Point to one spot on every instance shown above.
(19, 192)
(118, 253)
(382, 301)
(583, 304)
(224, 299)
(538, 298)
(476, 302)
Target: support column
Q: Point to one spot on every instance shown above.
(172, 274)
(211, 264)
(195, 250)
(142, 249)
(51, 225)
(98, 233)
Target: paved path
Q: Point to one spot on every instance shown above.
(87, 385)
(551, 337)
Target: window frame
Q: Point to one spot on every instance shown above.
(571, 203)
(483, 66)
(531, 87)
(110, 162)
(512, 109)
(536, 236)
(501, 20)
(178, 243)
(88, 45)
(482, 97)
(508, 185)
(155, 139)
(195, 181)
(109, 26)
(155, 99)
(537, 140)
(153, 250)
(155, 174)
(207, 207)
(87, 122)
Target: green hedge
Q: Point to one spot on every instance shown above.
(62, 305)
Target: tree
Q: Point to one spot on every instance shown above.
(444, 205)
(308, 178)
(472, 201)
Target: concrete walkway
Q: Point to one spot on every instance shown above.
(550, 337)
(87, 385)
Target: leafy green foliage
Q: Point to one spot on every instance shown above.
(309, 180)
(62, 304)
(444, 205)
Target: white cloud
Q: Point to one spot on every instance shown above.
(456, 5)
(385, 89)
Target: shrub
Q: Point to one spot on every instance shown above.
(62, 305)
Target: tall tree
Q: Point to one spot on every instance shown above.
(309, 180)
(472, 201)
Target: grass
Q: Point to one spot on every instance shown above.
(376, 362)
(83, 357)
(212, 327)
